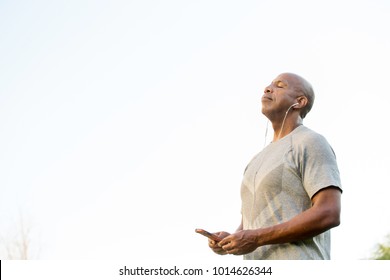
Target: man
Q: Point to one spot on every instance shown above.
(291, 190)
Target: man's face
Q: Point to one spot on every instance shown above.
(279, 95)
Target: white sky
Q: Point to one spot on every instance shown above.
(125, 125)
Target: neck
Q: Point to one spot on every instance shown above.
(285, 127)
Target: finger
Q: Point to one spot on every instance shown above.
(230, 252)
(225, 241)
(233, 251)
(228, 247)
(220, 251)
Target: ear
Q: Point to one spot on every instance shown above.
(302, 102)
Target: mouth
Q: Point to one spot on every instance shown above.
(266, 98)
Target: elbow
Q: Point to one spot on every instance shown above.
(332, 219)
(336, 216)
(335, 222)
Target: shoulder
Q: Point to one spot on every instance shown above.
(307, 135)
(308, 139)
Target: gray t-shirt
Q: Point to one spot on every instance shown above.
(279, 183)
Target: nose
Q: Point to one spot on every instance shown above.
(267, 90)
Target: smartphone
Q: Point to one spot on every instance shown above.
(208, 234)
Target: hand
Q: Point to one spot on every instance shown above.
(239, 243)
(214, 245)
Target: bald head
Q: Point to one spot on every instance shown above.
(302, 87)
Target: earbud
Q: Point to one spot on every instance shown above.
(289, 108)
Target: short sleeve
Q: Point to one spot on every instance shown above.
(317, 164)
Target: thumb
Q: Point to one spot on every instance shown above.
(225, 241)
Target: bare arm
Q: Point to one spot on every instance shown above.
(323, 215)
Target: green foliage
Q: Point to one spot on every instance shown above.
(383, 250)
